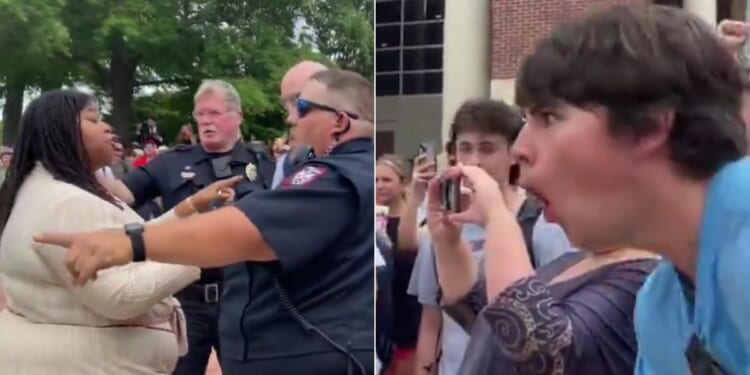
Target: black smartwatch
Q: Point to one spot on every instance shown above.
(135, 232)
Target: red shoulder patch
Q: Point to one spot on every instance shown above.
(305, 176)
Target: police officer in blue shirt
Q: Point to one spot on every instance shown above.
(178, 174)
(309, 244)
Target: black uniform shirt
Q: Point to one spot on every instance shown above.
(180, 173)
(319, 222)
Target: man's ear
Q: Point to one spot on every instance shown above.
(654, 141)
(339, 127)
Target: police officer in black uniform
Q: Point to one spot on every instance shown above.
(177, 174)
(308, 246)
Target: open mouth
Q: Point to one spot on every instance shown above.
(548, 210)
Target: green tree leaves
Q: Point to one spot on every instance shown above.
(148, 56)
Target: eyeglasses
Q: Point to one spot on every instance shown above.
(305, 106)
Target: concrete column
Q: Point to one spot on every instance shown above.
(503, 89)
(705, 9)
(466, 55)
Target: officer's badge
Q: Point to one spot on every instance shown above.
(187, 174)
(251, 172)
(305, 176)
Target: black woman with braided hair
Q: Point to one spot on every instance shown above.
(124, 322)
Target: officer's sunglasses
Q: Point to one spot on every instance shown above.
(305, 106)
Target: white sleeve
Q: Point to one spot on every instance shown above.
(118, 293)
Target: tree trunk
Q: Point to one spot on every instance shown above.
(14, 91)
(121, 87)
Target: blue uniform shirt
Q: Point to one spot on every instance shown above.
(668, 320)
(319, 222)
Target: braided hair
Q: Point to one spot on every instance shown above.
(51, 135)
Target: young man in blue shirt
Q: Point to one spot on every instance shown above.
(634, 138)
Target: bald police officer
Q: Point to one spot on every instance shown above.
(312, 238)
(291, 86)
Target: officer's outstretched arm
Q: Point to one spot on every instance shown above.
(305, 216)
(292, 225)
(213, 239)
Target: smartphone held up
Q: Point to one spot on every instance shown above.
(450, 194)
(426, 149)
(427, 153)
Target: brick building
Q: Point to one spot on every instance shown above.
(431, 55)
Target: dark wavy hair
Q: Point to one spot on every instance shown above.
(50, 133)
(637, 61)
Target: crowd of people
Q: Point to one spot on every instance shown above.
(597, 226)
(600, 228)
(225, 265)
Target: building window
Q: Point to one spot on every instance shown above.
(409, 47)
(388, 60)
(724, 10)
(387, 84)
(388, 36)
(423, 59)
(420, 10)
(387, 12)
(423, 34)
(385, 142)
(422, 83)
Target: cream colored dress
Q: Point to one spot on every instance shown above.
(125, 322)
